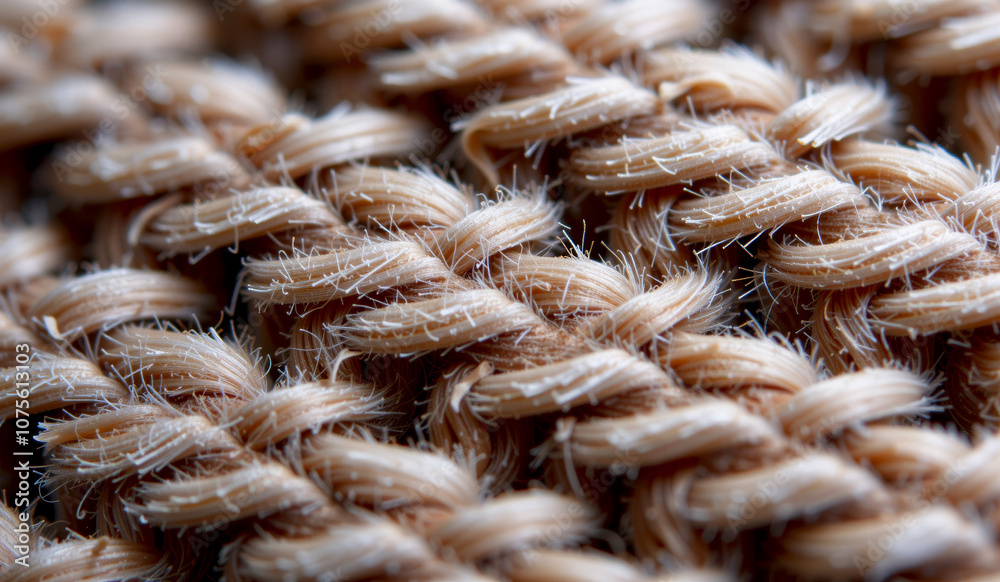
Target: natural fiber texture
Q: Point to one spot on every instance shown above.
(525, 290)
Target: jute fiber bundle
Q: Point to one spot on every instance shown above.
(529, 290)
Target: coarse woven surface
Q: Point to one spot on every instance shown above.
(510, 290)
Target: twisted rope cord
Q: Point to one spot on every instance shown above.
(467, 263)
